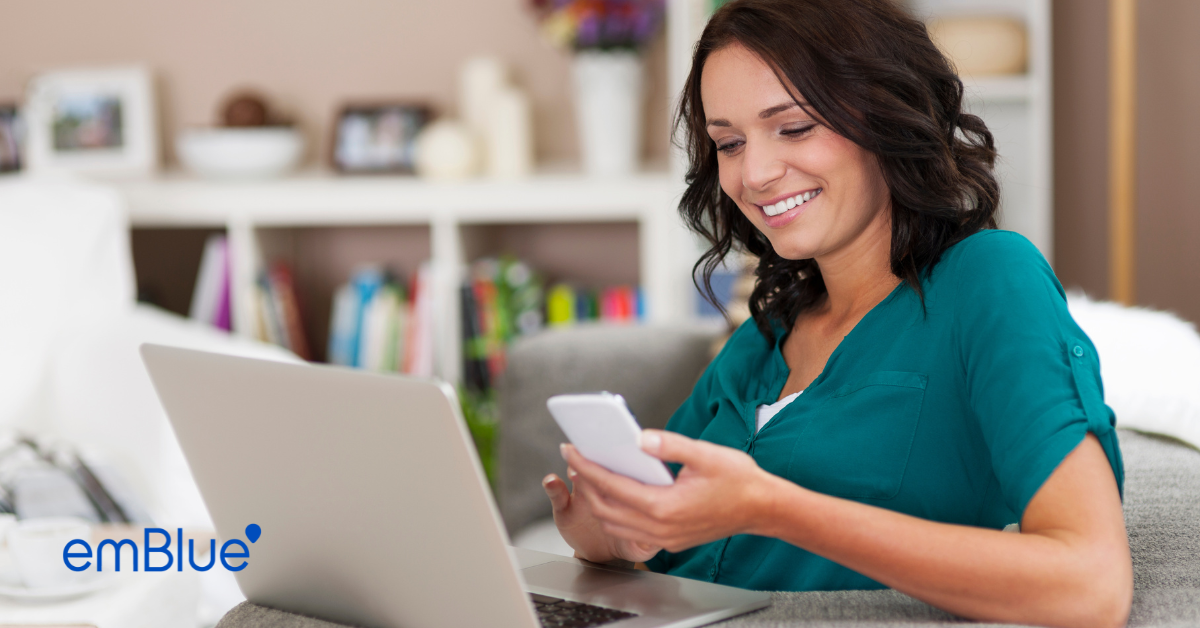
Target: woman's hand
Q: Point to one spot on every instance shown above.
(719, 493)
(582, 531)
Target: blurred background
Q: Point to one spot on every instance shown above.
(410, 186)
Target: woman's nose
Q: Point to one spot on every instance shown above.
(760, 166)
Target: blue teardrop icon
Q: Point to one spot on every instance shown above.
(253, 532)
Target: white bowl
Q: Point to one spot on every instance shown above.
(240, 153)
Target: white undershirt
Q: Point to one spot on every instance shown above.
(766, 412)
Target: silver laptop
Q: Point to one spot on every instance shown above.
(373, 508)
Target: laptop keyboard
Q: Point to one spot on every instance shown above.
(558, 613)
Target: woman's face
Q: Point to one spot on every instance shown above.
(772, 155)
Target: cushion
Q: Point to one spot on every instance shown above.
(1150, 364)
(589, 358)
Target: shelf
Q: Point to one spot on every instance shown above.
(599, 231)
(327, 199)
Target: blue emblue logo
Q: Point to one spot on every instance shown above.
(84, 552)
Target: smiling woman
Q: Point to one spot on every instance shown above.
(865, 76)
(911, 385)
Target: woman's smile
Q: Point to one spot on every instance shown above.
(781, 211)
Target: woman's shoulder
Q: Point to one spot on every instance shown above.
(993, 257)
(997, 271)
(746, 356)
(746, 351)
(747, 343)
(991, 246)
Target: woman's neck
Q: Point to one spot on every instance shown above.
(859, 275)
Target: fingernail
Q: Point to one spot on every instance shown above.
(562, 449)
(547, 480)
(651, 441)
(571, 473)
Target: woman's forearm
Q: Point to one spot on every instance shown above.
(1047, 579)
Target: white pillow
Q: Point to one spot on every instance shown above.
(64, 257)
(1150, 363)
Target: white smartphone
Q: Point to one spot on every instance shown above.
(605, 432)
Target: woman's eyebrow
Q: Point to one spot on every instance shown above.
(770, 111)
(763, 115)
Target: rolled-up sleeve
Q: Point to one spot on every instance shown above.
(1032, 376)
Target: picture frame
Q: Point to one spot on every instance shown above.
(11, 138)
(377, 137)
(96, 121)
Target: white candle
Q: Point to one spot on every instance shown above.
(479, 81)
(510, 135)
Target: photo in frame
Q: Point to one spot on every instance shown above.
(10, 138)
(377, 137)
(100, 121)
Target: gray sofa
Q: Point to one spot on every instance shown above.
(654, 368)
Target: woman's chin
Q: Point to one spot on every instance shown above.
(793, 250)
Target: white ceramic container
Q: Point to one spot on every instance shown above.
(608, 101)
(248, 153)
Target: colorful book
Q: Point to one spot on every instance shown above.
(560, 306)
(287, 307)
(419, 361)
(210, 296)
(343, 326)
(475, 369)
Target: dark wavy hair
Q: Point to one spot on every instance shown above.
(870, 72)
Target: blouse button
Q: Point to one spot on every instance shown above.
(712, 573)
(1078, 351)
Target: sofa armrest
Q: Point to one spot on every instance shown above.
(653, 367)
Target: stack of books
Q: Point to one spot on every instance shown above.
(504, 299)
(278, 307)
(566, 305)
(383, 321)
(210, 296)
(501, 300)
(380, 324)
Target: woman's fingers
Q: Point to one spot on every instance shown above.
(609, 510)
(672, 447)
(557, 491)
(612, 485)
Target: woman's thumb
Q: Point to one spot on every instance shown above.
(556, 489)
(672, 447)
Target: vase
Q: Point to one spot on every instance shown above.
(608, 105)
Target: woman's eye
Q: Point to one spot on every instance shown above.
(729, 147)
(797, 131)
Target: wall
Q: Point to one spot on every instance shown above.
(309, 55)
(1168, 199)
(1168, 159)
(1080, 41)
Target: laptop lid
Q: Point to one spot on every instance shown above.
(370, 498)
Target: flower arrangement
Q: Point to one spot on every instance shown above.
(605, 25)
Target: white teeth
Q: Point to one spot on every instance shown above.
(789, 203)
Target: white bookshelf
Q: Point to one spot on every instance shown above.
(434, 220)
(440, 220)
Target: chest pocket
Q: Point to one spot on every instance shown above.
(857, 442)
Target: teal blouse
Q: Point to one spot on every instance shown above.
(956, 413)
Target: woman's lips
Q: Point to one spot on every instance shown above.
(779, 220)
